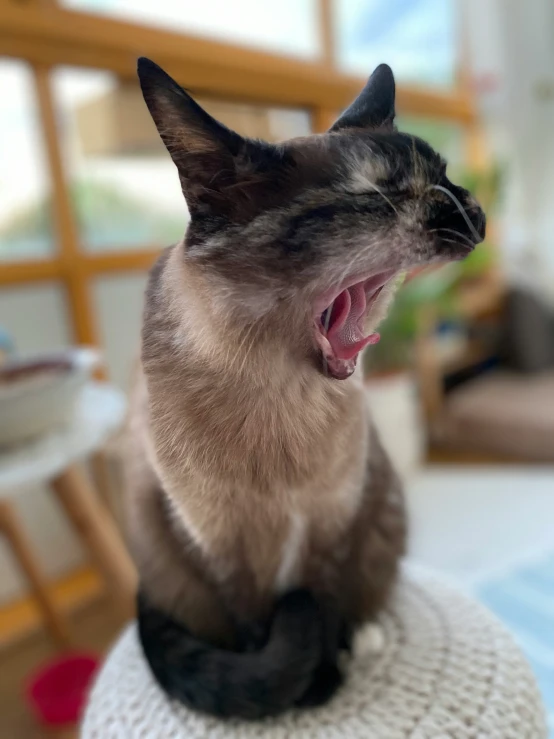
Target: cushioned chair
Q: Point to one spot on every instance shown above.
(503, 413)
(506, 412)
(442, 668)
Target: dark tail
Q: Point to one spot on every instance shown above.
(248, 685)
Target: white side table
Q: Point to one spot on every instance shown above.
(54, 459)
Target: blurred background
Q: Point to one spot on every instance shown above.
(462, 383)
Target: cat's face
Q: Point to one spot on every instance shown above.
(314, 231)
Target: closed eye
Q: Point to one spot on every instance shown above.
(371, 190)
(378, 191)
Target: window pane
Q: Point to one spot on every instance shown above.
(287, 27)
(124, 187)
(118, 301)
(417, 38)
(36, 317)
(259, 122)
(26, 229)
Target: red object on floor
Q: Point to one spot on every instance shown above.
(57, 691)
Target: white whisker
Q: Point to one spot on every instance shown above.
(454, 232)
(385, 198)
(460, 207)
(451, 241)
(326, 327)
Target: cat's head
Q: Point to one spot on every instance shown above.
(311, 234)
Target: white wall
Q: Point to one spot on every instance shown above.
(514, 42)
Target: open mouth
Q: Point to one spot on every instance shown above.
(341, 320)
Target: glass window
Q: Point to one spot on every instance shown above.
(124, 188)
(118, 302)
(26, 228)
(417, 38)
(287, 27)
(259, 122)
(36, 317)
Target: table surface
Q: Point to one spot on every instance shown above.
(99, 413)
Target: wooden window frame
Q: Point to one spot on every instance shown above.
(47, 36)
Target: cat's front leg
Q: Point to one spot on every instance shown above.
(336, 636)
(378, 541)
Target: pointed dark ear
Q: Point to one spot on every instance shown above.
(374, 106)
(217, 167)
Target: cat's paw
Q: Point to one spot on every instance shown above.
(369, 640)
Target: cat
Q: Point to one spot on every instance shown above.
(265, 519)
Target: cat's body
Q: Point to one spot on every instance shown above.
(248, 454)
(253, 471)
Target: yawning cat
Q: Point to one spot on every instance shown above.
(265, 519)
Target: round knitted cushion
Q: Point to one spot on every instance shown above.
(444, 669)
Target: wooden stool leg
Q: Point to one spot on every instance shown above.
(103, 482)
(14, 532)
(99, 534)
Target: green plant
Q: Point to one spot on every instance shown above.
(485, 185)
(479, 262)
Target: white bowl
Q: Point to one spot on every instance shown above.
(38, 394)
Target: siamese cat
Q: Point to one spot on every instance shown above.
(265, 519)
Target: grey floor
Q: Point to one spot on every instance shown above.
(470, 521)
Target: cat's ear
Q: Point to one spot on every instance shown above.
(218, 168)
(374, 106)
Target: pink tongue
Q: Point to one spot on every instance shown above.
(344, 333)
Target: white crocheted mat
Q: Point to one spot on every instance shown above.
(445, 669)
